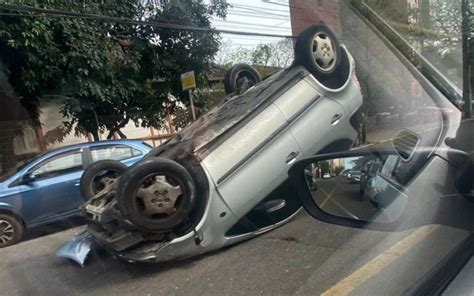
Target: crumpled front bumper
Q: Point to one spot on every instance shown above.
(78, 248)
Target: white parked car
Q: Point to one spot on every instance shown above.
(223, 179)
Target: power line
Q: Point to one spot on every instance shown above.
(275, 30)
(320, 8)
(224, 35)
(317, 10)
(259, 10)
(258, 15)
(249, 24)
(68, 14)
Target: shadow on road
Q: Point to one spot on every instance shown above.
(53, 228)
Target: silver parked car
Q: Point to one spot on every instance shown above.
(223, 179)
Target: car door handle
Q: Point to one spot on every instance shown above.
(291, 157)
(77, 184)
(335, 119)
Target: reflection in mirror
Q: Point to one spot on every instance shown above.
(361, 188)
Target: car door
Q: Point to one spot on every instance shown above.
(314, 119)
(253, 161)
(121, 152)
(55, 187)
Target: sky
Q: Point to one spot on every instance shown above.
(262, 16)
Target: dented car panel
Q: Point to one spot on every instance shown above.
(77, 249)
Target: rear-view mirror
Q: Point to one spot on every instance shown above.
(378, 190)
(341, 187)
(27, 178)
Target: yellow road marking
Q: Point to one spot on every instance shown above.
(328, 196)
(375, 265)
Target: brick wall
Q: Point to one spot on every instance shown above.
(304, 13)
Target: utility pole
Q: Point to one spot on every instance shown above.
(468, 69)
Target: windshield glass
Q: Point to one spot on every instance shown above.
(432, 28)
(295, 146)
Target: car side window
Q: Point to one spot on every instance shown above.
(63, 164)
(389, 165)
(115, 152)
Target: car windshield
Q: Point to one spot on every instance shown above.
(279, 146)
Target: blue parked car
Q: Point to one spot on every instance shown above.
(46, 188)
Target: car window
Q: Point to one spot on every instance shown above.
(389, 165)
(116, 152)
(60, 165)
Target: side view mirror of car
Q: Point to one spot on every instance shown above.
(378, 200)
(362, 199)
(27, 178)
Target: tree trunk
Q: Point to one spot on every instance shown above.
(10, 116)
(122, 135)
(95, 134)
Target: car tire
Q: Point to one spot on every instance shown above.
(318, 50)
(156, 210)
(97, 171)
(233, 76)
(11, 230)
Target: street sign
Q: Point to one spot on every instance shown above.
(188, 81)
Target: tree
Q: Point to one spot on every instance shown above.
(12, 117)
(325, 167)
(338, 170)
(279, 54)
(106, 74)
(262, 54)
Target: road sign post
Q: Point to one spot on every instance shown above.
(188, 82)
(192, 104)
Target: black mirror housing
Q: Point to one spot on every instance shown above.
(27, 179)
(432, 195)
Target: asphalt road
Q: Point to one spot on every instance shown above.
(304, 257)
(341, 197)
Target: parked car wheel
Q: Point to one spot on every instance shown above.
(157, 195)
(240, 77)
(100, 175)
(11, 230)
(319, 51)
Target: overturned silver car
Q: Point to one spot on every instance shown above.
(223, 179)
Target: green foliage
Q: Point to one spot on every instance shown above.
(361, 162)
(279, 54)
(104, 73)
(213, 96)
(325, 166)
(338, 170)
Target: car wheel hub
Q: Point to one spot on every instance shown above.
(6, 232)
(158, 199)
(323, 52)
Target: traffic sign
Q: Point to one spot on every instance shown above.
(188, 81)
